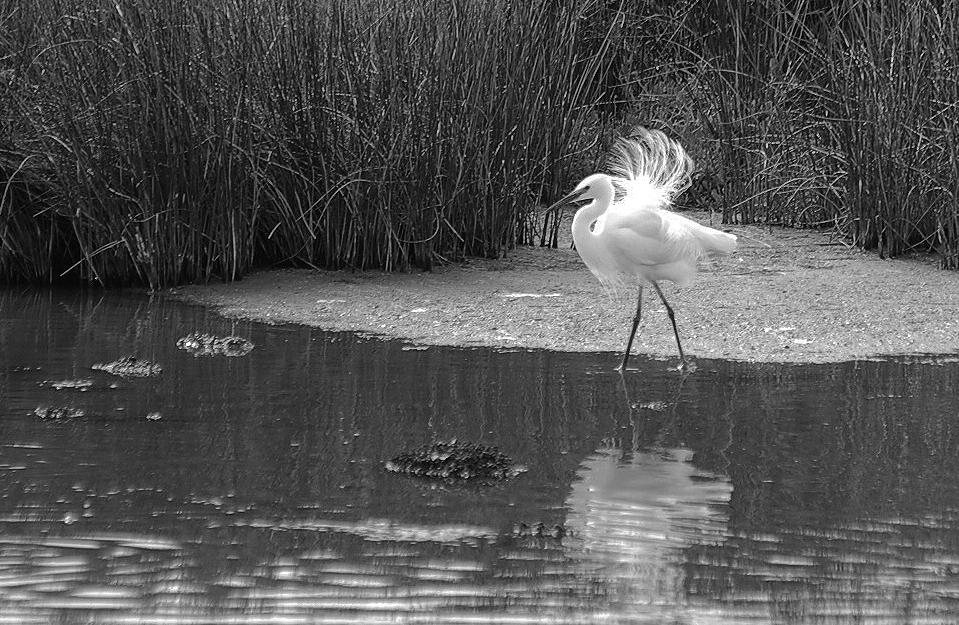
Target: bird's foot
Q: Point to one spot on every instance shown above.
(686, 366)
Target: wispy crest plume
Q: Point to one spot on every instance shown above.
(650, 164)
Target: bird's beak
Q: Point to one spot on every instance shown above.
(568, 199)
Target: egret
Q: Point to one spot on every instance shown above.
(635, 237)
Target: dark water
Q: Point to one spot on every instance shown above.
(250, 490)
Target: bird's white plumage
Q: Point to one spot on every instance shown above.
(651, 166)
(626, 232)
(636, 236)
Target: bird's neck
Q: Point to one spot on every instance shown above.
(585, 236)
(584, 217)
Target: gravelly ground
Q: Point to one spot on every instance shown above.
(784, 295)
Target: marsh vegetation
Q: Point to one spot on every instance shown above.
(158, 142)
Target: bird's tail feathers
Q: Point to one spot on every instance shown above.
(716, 242)
(650, 164)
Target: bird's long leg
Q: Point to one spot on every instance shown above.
(632, 333)
(672, 318)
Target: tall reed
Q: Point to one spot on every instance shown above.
(945, 80)
(431, 128)
(30, 234)
(182, 142)
(756, 87)
(160, 142)
(895, 91)
(125, 116)
(836, 114)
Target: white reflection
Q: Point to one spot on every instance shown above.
(631, 520)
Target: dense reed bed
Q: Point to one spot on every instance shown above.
(161, 142)
(156, 142)
(839, 114)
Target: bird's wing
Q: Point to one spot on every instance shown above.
(646, 243)
(711, 241)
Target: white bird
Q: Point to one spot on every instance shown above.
(636, 237)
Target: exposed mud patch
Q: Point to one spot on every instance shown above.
(785, 295)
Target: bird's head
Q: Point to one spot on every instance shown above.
(597, 187)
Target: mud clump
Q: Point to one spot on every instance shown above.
(540, 530)
(209, 345)
(81, 385)
(456, 461)
(130, 367)
(58, 413)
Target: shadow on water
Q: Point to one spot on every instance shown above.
(228, 489)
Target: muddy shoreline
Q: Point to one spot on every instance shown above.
(784, 296)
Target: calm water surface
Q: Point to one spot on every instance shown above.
(253, 489)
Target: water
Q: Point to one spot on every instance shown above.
(252, 489)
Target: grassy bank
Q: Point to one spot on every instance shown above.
(157, 142)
